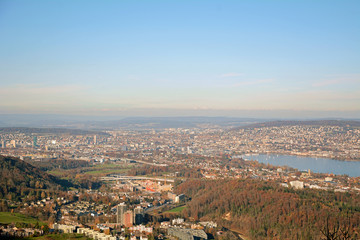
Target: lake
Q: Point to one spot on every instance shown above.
(318, 165)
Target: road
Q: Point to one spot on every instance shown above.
(119, 177)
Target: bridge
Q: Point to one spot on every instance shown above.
(120, 177)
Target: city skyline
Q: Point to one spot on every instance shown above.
(159, 58)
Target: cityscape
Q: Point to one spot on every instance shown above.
(131, 176)
(179, 120)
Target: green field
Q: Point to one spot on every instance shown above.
(105, 171)
(56, 172)
(7, 218)
(177, 210)
(63, 236)
(97, 170)
(111, 165)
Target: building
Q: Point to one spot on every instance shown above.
(141, 228)
(297, 184)
(177, 221)
(121, 209)
(180, 198)
(176, 198)
(171, 196)
(94, 234)
(210, 224)
(128, 218)
(35, 141)
(138, 215)
(64, 228)
(328, 179)
(187, 234)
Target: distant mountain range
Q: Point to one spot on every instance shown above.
(174, 122)
(50, 122)
(90, 123)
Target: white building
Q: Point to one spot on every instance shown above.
(64, 228)
(297, 184)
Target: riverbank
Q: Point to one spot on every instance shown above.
(310, 155)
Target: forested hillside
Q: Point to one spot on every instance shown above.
(265, 210)
(19, 179)
(59, 164)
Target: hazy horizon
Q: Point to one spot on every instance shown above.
(173, 114)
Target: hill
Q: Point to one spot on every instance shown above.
(313, 123)
(265, 210)
(19, 179)
(8, 218)
(115, 122)
(169, 122)
(28, 130)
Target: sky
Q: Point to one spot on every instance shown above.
(168, 58)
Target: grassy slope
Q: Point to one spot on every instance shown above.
(98, 170)
(7, 218)
(63, 236)
(177, 210)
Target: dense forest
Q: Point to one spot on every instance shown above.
(59, 164)
(265, 210)
(19, 179)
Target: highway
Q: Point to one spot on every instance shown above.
(120, 177)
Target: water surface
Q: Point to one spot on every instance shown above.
(318, 165)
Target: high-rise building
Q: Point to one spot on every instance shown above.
(3, 144)
(95, 140)
(13, 143)
(35, 141)
(121, 209)
(138, 215)
(128, 218)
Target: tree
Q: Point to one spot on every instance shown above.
(37, 225)
(45, 228)
(4, 206)
(339, 229)
(43, 194)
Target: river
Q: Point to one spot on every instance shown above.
(318, 165)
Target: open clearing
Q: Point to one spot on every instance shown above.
(177, 209)
(7, 218)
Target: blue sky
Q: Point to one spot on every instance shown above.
(186, 57)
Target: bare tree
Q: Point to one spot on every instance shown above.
(331, 232)
(334, 230)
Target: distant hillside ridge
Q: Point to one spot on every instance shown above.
(169, 122)
(28, 130)
(315, 123)
(19, 178)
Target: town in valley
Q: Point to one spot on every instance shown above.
(123, 183)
